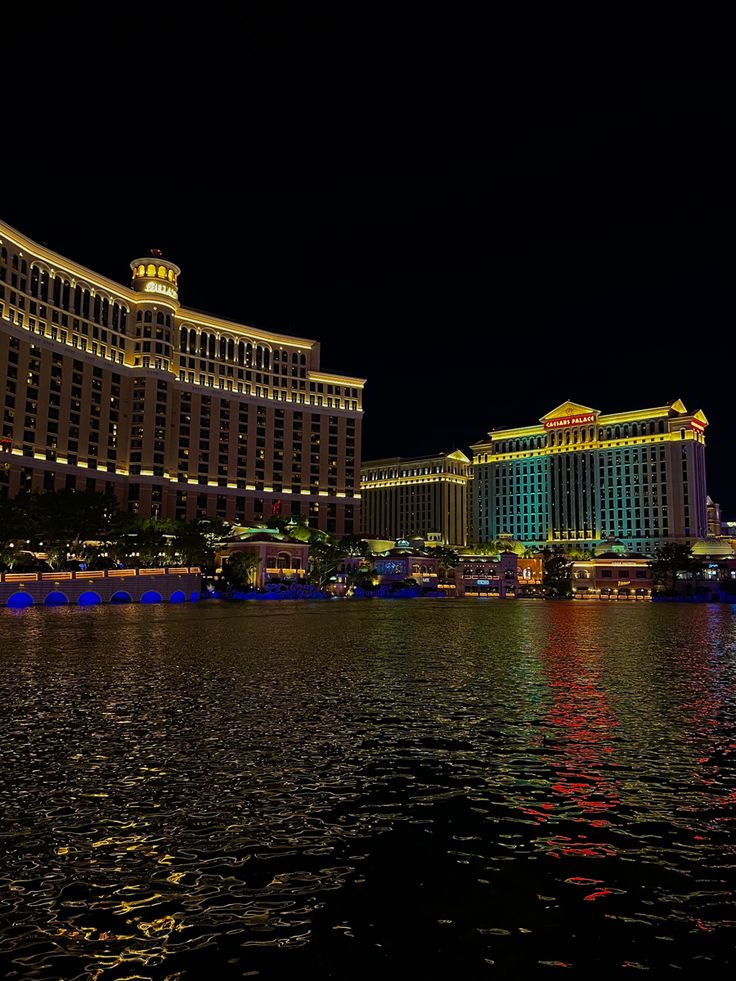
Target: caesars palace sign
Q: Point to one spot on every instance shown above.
(570, 421)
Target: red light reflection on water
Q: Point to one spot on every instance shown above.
(580, 725)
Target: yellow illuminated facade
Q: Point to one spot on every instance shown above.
(422, 496)
(580, 476)
(178, 413)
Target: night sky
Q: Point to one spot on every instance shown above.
(481, 217)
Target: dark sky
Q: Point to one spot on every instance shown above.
(481, 217)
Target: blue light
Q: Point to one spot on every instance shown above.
(56, 599)
(89, 599)
(19, 601)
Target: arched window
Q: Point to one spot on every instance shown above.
(115, 316)
(302, 359)
(96, 307)
(212, 345)
(203, 338)
(266, 359)
(56, 300)
(249, 354)
(148, 317)
(241, 352)
(77, 299)
(141, 270)
(231, 349)
(150, 269)
(160, 318)
(105, 310)
(183, 339)
(171, 275)
(162, 272)
(192, 341)
(223, 348)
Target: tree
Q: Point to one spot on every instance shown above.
(364, 579)
(239, 571)
(353, 545)
(447, 559)
(483, 548)
(324, 559)
(196, 541)
(557, 570)
(277, 522)
(62, 523)
(669, 559)
(298, 528)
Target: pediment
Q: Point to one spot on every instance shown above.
(568, 409)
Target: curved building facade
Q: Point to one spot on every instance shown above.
(177, 413)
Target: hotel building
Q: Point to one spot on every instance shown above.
(579, 476)
(424, 497)
(177, 413)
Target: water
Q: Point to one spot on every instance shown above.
(354, 789)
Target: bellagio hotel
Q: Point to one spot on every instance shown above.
(177, 413)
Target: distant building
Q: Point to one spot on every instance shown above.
(713, 511)
(418, 496)
(578, 476)
(406, 562)
(280, 558)
(712, 573)
(612, 573)
(501, 575)
(728, 528)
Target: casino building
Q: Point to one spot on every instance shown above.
(178, 413)
(579, 476)
(418, 496)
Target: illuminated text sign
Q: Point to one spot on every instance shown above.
(570, 421)
(160, 288)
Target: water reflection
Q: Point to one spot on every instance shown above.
(344, 789)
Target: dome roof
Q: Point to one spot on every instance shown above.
(611, 546)
(714, 548)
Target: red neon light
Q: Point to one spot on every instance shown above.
(697, 425)
(569, 421)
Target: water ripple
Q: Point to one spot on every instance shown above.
(336, 790)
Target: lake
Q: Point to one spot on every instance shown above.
(344, 789)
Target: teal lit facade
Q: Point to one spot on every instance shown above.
(579, 477)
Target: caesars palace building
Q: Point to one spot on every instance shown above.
(177, 413)
(580, 476)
